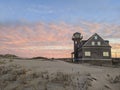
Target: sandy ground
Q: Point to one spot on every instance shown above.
(56, 75)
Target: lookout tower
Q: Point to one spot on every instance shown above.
(77, 38)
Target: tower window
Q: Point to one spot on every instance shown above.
(87, 53)
(75, 42)
(105, 53)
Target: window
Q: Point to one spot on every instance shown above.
(75, 42)
(93, 43)
(87, 53)
(105, 53)
(95, 37)
(99, 43)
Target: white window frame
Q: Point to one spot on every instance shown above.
(87, 53)
(98, 43)
(93, 43)
(105, 54)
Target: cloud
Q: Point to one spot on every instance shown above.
(51, 39)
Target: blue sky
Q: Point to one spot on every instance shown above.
(71, 11)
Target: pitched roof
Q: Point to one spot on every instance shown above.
(92, 37)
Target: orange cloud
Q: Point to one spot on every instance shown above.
(115, 49)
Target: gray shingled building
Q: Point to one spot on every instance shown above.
(95, 48)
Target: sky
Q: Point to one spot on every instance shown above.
(30, 28)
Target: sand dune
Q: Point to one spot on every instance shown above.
(17, 74)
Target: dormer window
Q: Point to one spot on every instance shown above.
(98, 43)
(93, 43)
(95, 37)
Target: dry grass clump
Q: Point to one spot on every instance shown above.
(11, 60)
(60, 77)
(72, 81)
(2, 62)
(82, 82)
(8, 69)
(15, 77)
(115, 79)
(9, 74)
(44, 75)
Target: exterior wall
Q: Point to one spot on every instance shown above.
(96, 53)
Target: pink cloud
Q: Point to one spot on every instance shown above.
(32, 39)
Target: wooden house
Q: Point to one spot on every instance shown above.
(94, 48)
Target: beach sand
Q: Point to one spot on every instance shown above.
(21, 74)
